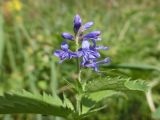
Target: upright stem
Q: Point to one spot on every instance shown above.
(78, 97)
(78, 64)
(150, 101)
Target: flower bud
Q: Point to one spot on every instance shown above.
(67, 36)
(77, 23)
(92, 35)
(87, 25)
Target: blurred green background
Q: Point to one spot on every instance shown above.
(30, 30)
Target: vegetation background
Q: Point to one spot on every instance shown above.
(30, 30)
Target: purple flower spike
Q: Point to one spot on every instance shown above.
(77, 23)
(67, 36)
(92, 35)
(89, 51)
(87, 25)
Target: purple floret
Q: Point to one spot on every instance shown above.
(92, 35)
(64, 53)
(93, 64)
(86, 53)
(87, 25)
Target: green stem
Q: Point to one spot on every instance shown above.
(78, 64)
(78, 97)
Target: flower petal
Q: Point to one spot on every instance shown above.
(68, 36)
(90, 56)
(97, 54)
(101, 47)
(84, 60)
(90, 65)
(85, 44)
(94, 43)
(72, 54)
(79, 52)
(87, 25)
(106, 60)
(58, 53)
(64, 46)
(92, 35)
(96, 68)
(98, 39)
(77, 23)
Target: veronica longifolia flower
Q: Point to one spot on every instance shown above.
(64, 53)
(88, 54)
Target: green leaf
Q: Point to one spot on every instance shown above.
(116, 83)
(2, 40)
(136, 85)
(91, 99)
(98, 90)
(68, 103)
(25, 102)
(156, 114)
(144, 67)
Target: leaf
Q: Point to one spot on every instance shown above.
(2, 41)
(105, 84)
(156, 114)
(25, 102)
(144, 67)
(116, 83)
(68, 103)
(91, 99)
(136, 85)
(98, 90)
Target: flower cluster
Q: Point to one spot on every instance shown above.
(89, 51)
